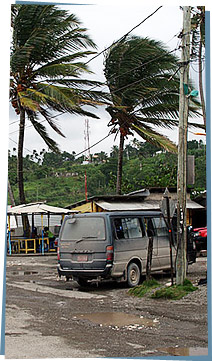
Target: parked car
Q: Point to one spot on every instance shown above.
(191, 246)
(113, 245)
(200, 238)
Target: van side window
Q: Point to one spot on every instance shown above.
(161, 227)
(128, 228)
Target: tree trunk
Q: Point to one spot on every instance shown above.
(11, 194)
(20, 177)
(10, 191)
(20, 157)
(200, 83)
(120, 164)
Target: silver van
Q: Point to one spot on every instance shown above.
(113, 245)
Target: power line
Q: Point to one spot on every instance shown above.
(137, 67)
(116, 77)
(17, 144)
(93, 145)
(124, 36)
(99, 141)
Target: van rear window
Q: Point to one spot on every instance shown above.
(88, 228)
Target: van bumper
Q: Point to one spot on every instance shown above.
(87, 274)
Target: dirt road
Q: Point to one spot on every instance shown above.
(50, 318)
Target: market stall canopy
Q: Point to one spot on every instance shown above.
(13, 218)
(38, 208)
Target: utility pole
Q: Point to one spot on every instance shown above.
(182, 148)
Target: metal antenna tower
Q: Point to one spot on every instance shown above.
(87, 141)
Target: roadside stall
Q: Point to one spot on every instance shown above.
(41, 238)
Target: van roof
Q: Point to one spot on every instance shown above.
(115, 214)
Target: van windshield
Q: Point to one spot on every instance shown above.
(79, 229)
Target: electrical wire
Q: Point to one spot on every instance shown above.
(124, 36)
(17, 144)
(112, 78)
(76, 155)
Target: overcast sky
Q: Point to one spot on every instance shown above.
(106, 22)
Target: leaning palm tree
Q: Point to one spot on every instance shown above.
(143, 82)
(46, 68)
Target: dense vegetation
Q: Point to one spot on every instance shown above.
(59, 179)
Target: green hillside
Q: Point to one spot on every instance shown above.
(59, 179)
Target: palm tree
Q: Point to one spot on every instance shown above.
(198, 44)
(143, 82)
(46, 67)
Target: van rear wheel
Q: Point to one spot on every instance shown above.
(133, 275)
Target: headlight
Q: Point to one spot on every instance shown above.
(196, 234)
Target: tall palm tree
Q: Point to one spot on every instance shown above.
(46, 68)
(143, 82)
(198, 44)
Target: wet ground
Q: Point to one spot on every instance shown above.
(50, 318)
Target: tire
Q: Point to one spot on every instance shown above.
(82, 282)
(133, 275)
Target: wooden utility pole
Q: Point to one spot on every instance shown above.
(182, 148)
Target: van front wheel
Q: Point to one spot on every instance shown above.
(133, 275)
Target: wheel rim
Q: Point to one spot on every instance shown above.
(134, 275)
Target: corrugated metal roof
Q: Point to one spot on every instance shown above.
(144, 205)
(128, 206)
(193, 205)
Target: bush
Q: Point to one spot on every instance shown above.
(175, 292)
(146, 286)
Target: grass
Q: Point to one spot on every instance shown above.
(175, 292)
(147, 286)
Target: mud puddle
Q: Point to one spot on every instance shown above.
(184, 351)
(117, 319)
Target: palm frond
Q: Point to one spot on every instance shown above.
(75, 82)
(51, 121)
(28, 103)
(157, 122)
(70, 57)
(151, 136)
(41, 130)
(59, 70)
(196, 125)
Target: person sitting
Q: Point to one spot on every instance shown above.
(50, 235)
